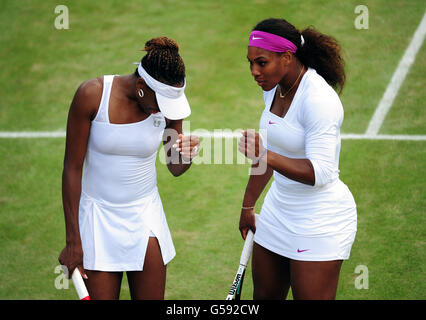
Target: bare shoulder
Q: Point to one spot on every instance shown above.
(88, 96)
(91, 88)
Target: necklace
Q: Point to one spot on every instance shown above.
(283, 96)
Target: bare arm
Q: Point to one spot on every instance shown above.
(254, 189)
(297, 169)
(82, 109)
(300, 170)
(178, 162)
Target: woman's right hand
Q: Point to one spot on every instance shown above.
(72, 257)
(247, 222)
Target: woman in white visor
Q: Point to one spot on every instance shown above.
(114, 216)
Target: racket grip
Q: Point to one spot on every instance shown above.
(79, 285)
(248, 247)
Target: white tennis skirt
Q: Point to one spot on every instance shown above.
(315, 225)
(115, 236)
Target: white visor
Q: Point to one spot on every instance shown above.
(171, 100)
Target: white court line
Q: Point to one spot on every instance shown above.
(406, 137)
(344, 136)
(397, 79)
(32, 134)
(218, 134)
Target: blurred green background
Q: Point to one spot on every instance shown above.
(43, 66)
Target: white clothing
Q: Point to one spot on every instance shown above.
(120, 206)
(299, 221)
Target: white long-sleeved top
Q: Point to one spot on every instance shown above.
(300, 221)
(311, 129)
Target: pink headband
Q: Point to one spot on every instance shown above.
(271, 42)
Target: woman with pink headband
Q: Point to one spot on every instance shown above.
(308, 221)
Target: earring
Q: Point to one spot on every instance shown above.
(140, 93)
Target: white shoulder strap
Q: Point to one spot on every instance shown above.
(102, 114)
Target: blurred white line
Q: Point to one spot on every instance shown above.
(32, 134)
(407, 137)
(344, 136)
(217, 134)
(397, 79)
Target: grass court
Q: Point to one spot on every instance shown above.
(42, 67)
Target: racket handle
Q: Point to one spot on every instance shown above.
(248, 247)
(79, 285)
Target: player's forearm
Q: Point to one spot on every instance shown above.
(176, 163)
(71, 191)
(255, 187)
(300, 170)
(177, 169)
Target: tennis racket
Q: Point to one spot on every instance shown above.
(237, 285)
(79, 285)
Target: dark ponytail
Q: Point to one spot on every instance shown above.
(163, 62)
(319, 51)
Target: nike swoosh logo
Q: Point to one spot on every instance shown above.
(254, 38)
(271, 122)
(299, 251)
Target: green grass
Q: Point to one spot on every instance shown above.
(390, 241)
(390, 238)
(405, 116)
(42, 67)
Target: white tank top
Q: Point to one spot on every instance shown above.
(120, 159)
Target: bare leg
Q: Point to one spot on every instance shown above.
(314, 280)
(103, 285)
(271, 276)
(150, 283)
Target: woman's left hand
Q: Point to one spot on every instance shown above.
(251, 145)
(188, 146)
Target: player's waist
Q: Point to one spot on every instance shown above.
(120, 202)
(284, 184)
(119, 186)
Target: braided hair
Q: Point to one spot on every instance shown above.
(163, 62)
